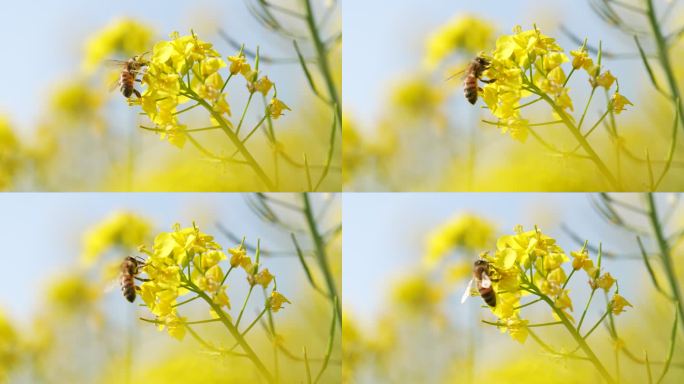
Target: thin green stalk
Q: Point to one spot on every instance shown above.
(597, 324)
(236, 335)
(579, 137)
(527, 304)
(321, 256)
(586, 109)
(185, 109)
(586, 308)
(244, 113)
(664, 58)
(322, 59)
(673, 340)
(271, 326)
(578, 338)
(670, 154)
(185, 301)
(236, 141)
(244, 305)
(527, 326)
(331, 341)
(331, 147)
(308, 368)
(665, 255)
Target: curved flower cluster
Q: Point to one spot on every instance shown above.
(465, 33)
(529, 62)
(185, 69)
(530, 262)
(173, 251)
(186, 260)
(514, 255)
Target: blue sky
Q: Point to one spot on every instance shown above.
(384, 235)
(384, 43)
(42, 233)
(43, 42)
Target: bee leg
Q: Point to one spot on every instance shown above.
(139, 81)
(488, 81)
(142, 279)
(135, 91)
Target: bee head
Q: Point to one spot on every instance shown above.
(482, 61)
(480, 263)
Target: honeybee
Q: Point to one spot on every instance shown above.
(130, 69)
(481, 270)
(130, 268)
(473, 73)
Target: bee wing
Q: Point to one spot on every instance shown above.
(486, 281)
(114, 84)
(111, 284)
(466, 293)
(114, 63)
(462, 71)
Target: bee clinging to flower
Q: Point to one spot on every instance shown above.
(130, 268)
(130, 69)
(473, 73)
(481, 272)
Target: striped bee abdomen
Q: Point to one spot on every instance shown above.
(128, 287)
(470, 88)
(127, 81)
(488, 296)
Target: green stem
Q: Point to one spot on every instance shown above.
(322, 257)
(580, 341)
(586, 308)
(664, 58)
(322, 59)
(665, 255)
(244, 113)
(236, 141)
(244, 305)
(579, 137)
(236, 335)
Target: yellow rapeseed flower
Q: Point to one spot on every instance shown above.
(276, 108)
(517, 328)
(77, 102)
(465, 33)
(126, 230)
(605, 80)
(122, 37)
(581, 59)
(618, 304)
(263, 278)
(277, 300)
(9, 347)
(605, 281)
(239, 258)
(416, 294)
(467, 231)
(619, 103)
(10, 148)
(417, 97)
(72, 294)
